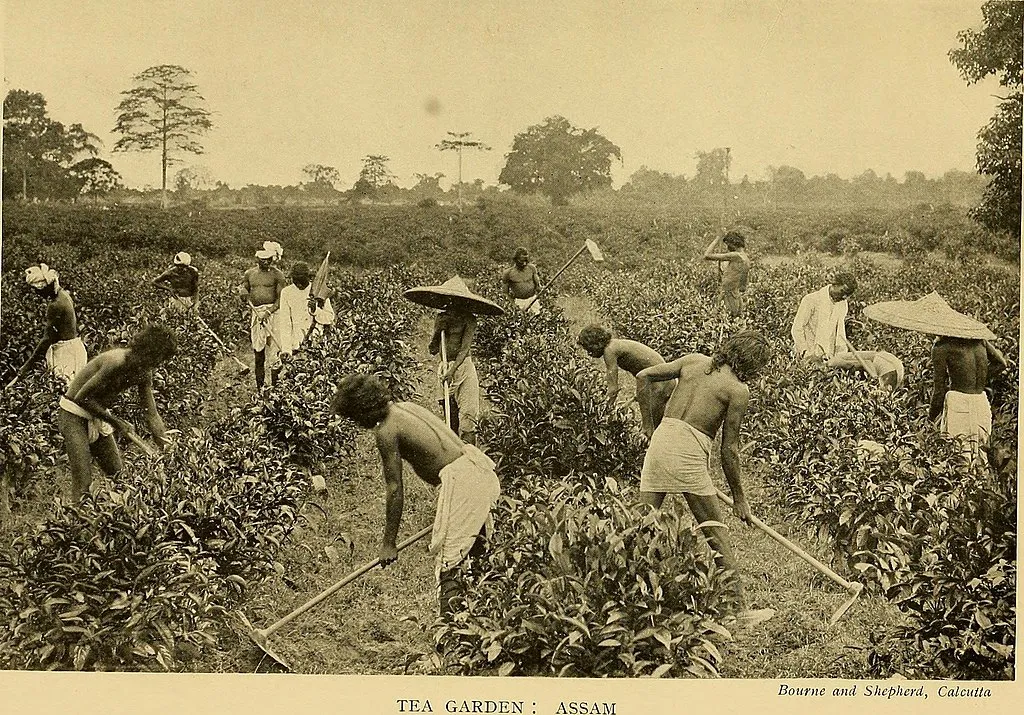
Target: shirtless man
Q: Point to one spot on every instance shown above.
(959, 401)
(64, 350)
(631, 356)
(523, 282)
(459, 372)
(182, 281)
(262, 285)
(711, 393)
(734, 265)
(84, 419)
(468, 485)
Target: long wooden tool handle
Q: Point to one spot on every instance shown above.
(339, 585)
(142, 444)
(220, 342)
(555, 277)
(793, 547)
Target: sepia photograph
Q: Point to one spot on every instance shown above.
(632, 356)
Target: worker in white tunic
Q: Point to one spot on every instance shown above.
(300, 313)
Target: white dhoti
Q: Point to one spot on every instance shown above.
(262, 334)
(465, 388)
(528, 305)
(180, 303)
(967, 416)
(678, 460)
(66, 358)
(97, 427)
(469, 489)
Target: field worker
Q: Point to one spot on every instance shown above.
(711, 393)
(468, 485)
(631, 356)
(959, 402)
(734, 265)
(262, 286)
(522, 281)
(819, 329)
(83, 418)
(300, 311)
(460, 372)
(182, 280)
(64, 351)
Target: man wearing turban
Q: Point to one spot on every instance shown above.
(262, 285)
(182, 280)
(64, 351)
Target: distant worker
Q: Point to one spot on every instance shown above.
(468, 484)
(631, 356)
(300, 312)
(84, 419)
(262, 286)
(182, 280)
(63, 349)
(522, 281)
(458, 328)
(711, 394)
(734, 265)
(819, 334)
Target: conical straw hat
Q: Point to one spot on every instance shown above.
(454, 295)
(930, 314)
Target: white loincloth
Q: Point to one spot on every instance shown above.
(968, 416)
(465, 388)
(522, 304)
(469, 489)
(66, 357)
(97, 427)
(678, 460)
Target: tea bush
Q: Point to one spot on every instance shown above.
(576, 582)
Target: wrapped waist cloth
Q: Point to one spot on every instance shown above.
(469, 489)
(966, 415)
(97, 427)
(66, 358)
(531, 303)
(678, 460)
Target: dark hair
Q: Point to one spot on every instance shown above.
(594, 338)
(153, 345)
(745, 352)
(845, 278)
(734, 239)
(361, 398)
(521, 251)
(301, 269)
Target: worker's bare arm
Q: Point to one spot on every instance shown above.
(391, 464)
(661, 372)
(737, 409)
(611, 364)
(148, 402)
(940, 381)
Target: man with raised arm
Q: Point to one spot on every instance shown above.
(631, 356)
(468, 485)
(181, 280)
(63, 349)
(522, 281)
(711, 394)
(458, 328)
(959, 402)
(84, 419)
(734, 265)
(262, 286)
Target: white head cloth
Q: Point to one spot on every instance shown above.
(182, 259)
(41, 276)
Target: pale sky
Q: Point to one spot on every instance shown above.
(823, 86)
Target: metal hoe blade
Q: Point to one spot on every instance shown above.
(259, 637)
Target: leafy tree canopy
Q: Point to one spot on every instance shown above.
(558, 160)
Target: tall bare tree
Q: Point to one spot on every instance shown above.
(457, 141)
(163, 110)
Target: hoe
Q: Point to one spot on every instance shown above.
(260, 636)
(854, 589)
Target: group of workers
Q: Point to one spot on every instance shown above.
(684, 403)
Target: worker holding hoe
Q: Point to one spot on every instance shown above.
(84, 419)
(181, 279)
(734, 265)
(819, 334)
(522, 281)
(63, 349)
(301, 312)
(711, 394)
(468, 484)
(262, 286)
(631, 356)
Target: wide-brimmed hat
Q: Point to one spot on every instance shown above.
(930, 314)
(454, 295)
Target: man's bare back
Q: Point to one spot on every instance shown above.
(60, 314)
(704, 400)
(264, 286)
(104, 377)
(965, 363)
(423, 440)
(630, 355)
